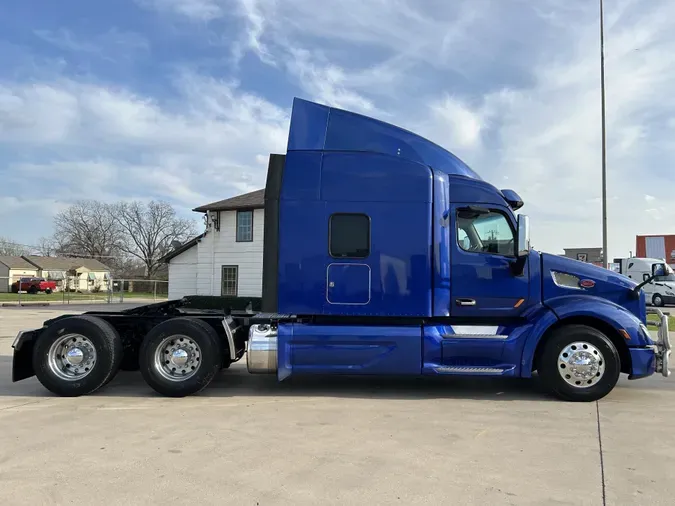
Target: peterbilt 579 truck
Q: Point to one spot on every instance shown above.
(384, 254)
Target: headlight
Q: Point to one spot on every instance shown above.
(668, 292)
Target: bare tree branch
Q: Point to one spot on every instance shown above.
(149, 230)
(11, 248)
(87, 228)
(46, 247)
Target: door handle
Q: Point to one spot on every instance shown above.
(465, 302)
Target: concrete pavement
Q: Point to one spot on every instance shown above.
(250, 440)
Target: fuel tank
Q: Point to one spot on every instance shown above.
(261, 355)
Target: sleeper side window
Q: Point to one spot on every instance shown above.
(485, 232)
(349, 235)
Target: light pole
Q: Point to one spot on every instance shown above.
(604, 147)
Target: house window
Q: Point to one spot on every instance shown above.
(229, 280)
(244, 226)
(349, 235)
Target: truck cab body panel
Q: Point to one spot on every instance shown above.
(348, 349)
(364, 256)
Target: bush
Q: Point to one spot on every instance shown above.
(223, 303)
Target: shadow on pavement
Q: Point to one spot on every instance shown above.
(236, 381)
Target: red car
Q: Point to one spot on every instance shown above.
(34, 285)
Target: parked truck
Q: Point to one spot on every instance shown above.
(659, 291)
(33, 285)
(384, 254)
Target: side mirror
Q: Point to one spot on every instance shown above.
(523, 248)
(658, 270)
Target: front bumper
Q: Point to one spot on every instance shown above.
(662, 347)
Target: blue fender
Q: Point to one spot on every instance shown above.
(570, 306)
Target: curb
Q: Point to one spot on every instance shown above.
(24, 304)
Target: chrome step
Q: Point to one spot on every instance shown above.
(469, 369)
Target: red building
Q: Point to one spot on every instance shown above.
(656, 246)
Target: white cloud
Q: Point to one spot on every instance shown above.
(199, 10)
(91, 141)
(112, 44)
(455, 124)
(511, 87)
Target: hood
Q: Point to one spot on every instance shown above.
(564, 276)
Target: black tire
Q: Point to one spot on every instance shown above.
(106, 342)
(657, 300)
(48, 291)
(210, 361)
(552, 376)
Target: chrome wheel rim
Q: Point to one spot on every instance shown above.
(581, 364)
(72, 357)
(177, 358)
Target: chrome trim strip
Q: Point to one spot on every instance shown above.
(563, 285)
(469, 370)
(483, 330)
(475, 336)
(230, 337)
(18, 337)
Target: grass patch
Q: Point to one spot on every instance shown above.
(671, 320)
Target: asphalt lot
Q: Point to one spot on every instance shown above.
(248, 440)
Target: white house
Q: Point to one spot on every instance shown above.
(82, 274)
(14, 268)
(227, 258)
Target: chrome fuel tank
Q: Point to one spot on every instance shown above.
(261, 354)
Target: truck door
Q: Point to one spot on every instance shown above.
(482, 257)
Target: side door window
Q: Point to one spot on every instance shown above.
(485, 231)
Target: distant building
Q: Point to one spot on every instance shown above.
(82, 274)
(227, 258)
(656, 246)
(589, 255)
(14, 268)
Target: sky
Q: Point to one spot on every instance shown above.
(183, 100)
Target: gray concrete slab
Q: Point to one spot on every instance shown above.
(250, 440)
(638, 442)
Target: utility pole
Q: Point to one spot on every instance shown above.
(604, 138)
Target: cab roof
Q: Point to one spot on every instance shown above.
(316, 127)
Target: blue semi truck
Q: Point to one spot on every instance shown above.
(384, 254)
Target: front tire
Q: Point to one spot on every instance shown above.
(657, 300)
(180, 357)
(579, 363)
(77, 355)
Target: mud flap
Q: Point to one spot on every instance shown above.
(22, 362)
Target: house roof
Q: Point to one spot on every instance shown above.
(16, 262)
(252, 200)
(65, 264)
(181, 249)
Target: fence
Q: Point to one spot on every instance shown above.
(79, 290)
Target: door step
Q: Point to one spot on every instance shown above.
(476, 370)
